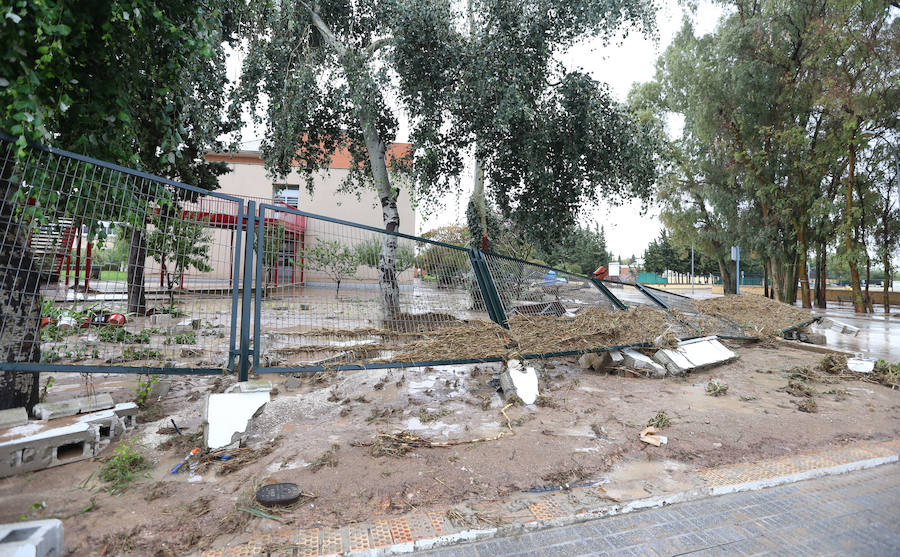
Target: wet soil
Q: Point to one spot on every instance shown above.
(319, 436)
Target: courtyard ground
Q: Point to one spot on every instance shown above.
(323, 437)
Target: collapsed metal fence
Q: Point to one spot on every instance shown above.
(134, 273)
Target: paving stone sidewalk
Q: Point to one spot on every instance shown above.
(538, 512)
(851, 514)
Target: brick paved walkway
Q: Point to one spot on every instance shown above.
(850, 514)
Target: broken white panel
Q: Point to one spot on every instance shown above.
(693, 354)
(861, 365)
(227, 415)
(838, 327)
(636, 360)
(616, 357)
(523, 381)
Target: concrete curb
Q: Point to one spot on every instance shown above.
(613, 510)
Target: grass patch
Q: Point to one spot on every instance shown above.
(660, 420)
(117, 334)
(122, 469)
(426, 417)
(189, 337)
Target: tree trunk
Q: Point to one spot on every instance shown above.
(868, 281)
(790, 280)
(137, 257)
(20, 301)
(766, 278)
(805, 297)
(821, 276)
(778, 279)
(859, 303)
(387, 261)
(728, 283)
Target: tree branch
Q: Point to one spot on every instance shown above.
(326, 32)
(376, 45)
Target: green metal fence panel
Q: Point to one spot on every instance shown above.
(123, 271)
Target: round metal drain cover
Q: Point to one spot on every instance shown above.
(278, 494)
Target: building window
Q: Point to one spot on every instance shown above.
(289, 194)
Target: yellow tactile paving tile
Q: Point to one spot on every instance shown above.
(358, 535)
(308, 543)
(380, 531)
(400, 530)
(332, 540)
(766, 469)
(420, 526)
(437, 522)
(545, 510)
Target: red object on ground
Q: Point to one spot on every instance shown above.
(116, 319)
(46, 321)
(601, 272)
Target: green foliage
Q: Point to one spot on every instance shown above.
(772, 156)
(660, 420)
(334, 259)
(579, 251)
(188, 337)
(119, 334)
(368, 253)
(123, 468)
(143, 389)
(45, 388)
(178, 243)
(716, 387)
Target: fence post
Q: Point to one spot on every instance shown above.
(257, 299)
(247, 284)
(488, 288)
(651, 295)
(612, 297)
(235, 280)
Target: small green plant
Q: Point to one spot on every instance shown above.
(131, 354)
(118, 334)
(334, 259)
(121, 470)
(328, 458)
(169, 310)
(189, 337)
(143, 389)
(716, 388)
(426, 417)
(369, 254)
(51, 355)
(45, 388)
(660, 420)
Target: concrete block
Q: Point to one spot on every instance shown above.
(636, 360)
(71, 407)
(36, 538)
(694, 354)
(254, 386)
(226, 416)
(812, 337)
(48, 448)
(519, 381)
(616, 358)
(13, 417)
(160, 389)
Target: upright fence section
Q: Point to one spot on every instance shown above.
(131, 272)
(115, 270)
(349, 294)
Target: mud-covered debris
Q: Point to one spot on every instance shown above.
(648, 435)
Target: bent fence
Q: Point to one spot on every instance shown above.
(116, 270)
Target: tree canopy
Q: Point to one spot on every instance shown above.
(769, 153)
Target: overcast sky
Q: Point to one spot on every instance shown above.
(620, 64)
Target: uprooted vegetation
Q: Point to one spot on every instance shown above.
(759, 315)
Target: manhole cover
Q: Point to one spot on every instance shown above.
(278, 494)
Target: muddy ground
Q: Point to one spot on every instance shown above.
(584, 427)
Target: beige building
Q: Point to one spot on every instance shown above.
(288, 236)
